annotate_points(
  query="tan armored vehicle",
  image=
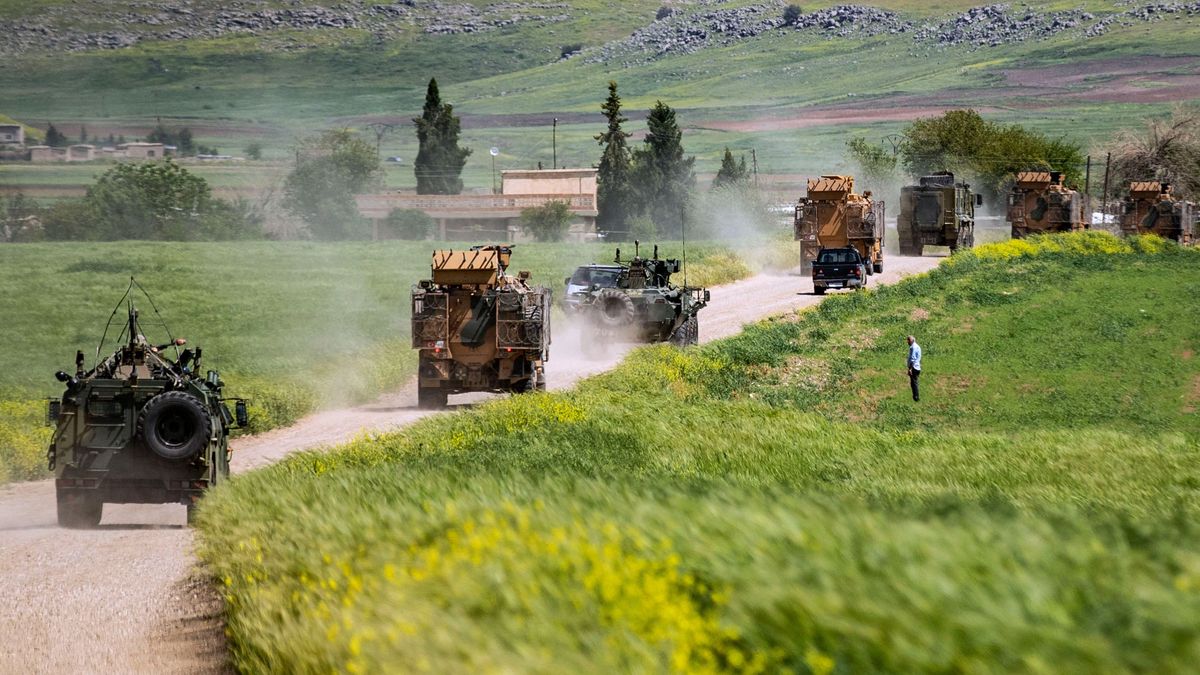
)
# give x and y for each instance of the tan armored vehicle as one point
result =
(1150, 208)
(477, 327)
(1039, 203)
(937, 211)
(832, 215)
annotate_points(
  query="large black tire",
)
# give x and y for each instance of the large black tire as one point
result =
(431, 398)
(191, 514)
(78, 510)
(877, 268)
(614, 309)
(175, 425)
(818, 290)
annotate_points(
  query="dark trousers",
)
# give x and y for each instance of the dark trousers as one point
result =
(914, 377)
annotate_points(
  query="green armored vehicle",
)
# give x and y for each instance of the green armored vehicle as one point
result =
(936, 211)
(139, 428)
(636, 302)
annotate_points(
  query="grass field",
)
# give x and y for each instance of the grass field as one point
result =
(772, 502)
(292, 326)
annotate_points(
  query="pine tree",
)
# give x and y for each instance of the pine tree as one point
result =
(664, 178)
(54, 137)
(614, 195)
(440, 160)
(83, 134)
(731, 173)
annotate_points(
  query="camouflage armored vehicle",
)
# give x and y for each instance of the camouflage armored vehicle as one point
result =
(937, 211)
(832, 215)
(1150, 208)
(477, 327)
(139, 428)
(1039, 203)
(637, 304)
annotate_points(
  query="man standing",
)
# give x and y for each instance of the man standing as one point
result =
(914, 367)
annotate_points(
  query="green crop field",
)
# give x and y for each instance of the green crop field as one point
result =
(292, 326)
(774, 502)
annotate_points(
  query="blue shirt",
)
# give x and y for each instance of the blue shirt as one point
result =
(914, 356)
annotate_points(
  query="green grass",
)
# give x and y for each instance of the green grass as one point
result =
(292, 326)
(771, 502)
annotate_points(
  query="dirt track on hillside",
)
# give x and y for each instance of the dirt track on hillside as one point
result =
(127, 597)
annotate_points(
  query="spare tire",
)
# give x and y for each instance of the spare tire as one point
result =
(614, 309)
(175, 425)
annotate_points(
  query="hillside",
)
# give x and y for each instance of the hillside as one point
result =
(772, 502)
(269, 71)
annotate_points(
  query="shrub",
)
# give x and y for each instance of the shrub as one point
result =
(662, 13)
(791, 14)
(548, 222)
(410, 224)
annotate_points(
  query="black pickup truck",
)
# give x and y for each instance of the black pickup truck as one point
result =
(838, 268)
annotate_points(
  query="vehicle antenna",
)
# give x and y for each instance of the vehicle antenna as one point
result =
(149, 299)
(110, 318)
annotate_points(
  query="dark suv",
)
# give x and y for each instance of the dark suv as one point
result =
(838, 268)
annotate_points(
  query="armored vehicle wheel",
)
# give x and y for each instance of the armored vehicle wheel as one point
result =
(175, 425)
(687, 334)
(430, 398)
(877, 268)
(191, 514)
(614, 309)
(79, 511)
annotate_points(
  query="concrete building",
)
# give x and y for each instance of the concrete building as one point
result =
(81, 153)
(12, 134)
(495, 217)
(143, 150)
(45, 153)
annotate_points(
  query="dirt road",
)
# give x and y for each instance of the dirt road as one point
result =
(125, 598)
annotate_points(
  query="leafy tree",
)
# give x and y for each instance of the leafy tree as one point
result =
(151, 200)
(83, 137)
(791, 14)
(963, 142)
(548, 222)
(254, 150)
(875, 163)
(664, 178)
(731, 173)
(330, 169)
(440, 160)
(55, 138)
(410, 224)
(180, 138)
(1165, 149)
(614, 195)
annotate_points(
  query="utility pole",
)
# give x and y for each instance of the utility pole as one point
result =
(554, 142)
(1087, 188)
(1104, 208)
(754, 162)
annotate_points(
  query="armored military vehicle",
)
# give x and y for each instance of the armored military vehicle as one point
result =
(638, 304)
(1150, 208)
(1039, 203)
(832, 215)
(477, 327)
(138, 428)
(937, 211)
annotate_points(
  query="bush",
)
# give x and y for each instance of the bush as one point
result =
(791, 14)
(662, 13)
(570, 50)
(410, 224)
(254, 150)
(548, 222)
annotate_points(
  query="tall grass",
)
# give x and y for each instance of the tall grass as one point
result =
(688, 512)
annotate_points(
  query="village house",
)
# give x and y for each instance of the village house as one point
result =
(143, 150)
(81, 153)
(45, 153)
(12, 134)
(495, 217)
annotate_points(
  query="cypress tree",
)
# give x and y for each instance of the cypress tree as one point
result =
(440, 160)
(615, 198)
(664, 177)
(731, 173)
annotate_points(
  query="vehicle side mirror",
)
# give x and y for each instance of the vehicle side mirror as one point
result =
(707, 295)
(241, 414)
(567, 281)
(978, 200)
(53, 411)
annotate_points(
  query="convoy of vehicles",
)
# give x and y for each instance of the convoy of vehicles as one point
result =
(937, 211)
(832, 215)
(138, 428)
(634, 301)
(477, 327)
(1039, 203)
(1151, 208)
